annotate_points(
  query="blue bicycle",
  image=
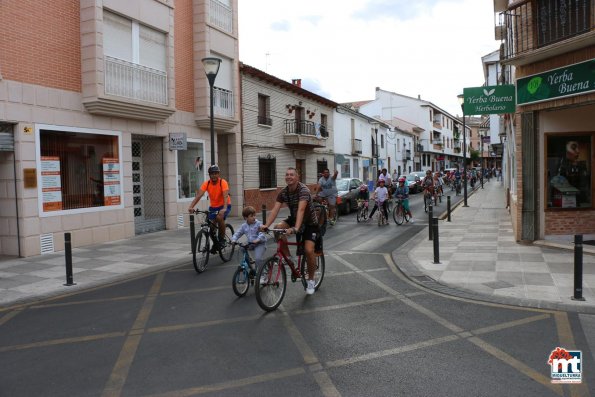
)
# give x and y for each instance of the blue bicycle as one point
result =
(246, 271)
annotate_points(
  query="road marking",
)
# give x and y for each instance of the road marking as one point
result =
(9, 316)
(120, 371)
(120, 298)
(567, 341)
(63, 341)
(192, 291)
(510, 324)
(345, 305)
(180, 327)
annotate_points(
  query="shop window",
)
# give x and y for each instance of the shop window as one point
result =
(78, 170)
(191, 172)
(569, 176)
(345, 169)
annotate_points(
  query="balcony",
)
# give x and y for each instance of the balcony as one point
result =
(437, 124)
(222, 102)
(221, 16)
(356, 146)
(544, 28)
(303, 134)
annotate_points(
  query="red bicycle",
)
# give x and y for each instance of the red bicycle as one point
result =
(273, 277)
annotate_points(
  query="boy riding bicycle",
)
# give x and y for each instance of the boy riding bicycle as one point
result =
(402, 193)
(256, 238)
(380, 197)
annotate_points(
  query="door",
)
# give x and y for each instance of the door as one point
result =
(147, 184)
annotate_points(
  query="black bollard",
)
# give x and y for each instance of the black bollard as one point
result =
(482, 181)
(264, 214)
(448, 207)
(192, 233)
(578, 268)
(434, 227)
(68, 255)
(430, 216)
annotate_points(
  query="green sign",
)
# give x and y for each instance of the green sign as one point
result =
(493, 99)
(558, 83)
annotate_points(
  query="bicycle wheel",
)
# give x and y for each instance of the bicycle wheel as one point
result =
(227, 252)
(318, 273)
(398, 214)
(321, 213)
(270, 285)
(362, 214)
(200, 255)
(240, 282)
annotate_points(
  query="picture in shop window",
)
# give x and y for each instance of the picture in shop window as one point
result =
(569, 171)
(191, 172)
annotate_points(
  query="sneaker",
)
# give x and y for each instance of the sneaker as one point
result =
(311, 287)
(411, 220)
(214, 249)
(264, 279)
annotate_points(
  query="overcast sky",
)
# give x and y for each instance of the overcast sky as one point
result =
(344, 49)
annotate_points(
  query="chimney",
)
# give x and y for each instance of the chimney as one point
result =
(297, 82)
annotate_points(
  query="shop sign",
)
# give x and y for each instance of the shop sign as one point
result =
(557, 83)
(494, 99)
(177, 141)
(51, 183)
(111, 182)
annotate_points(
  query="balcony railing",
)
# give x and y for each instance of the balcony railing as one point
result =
(300, 127)
(264, 120)
(221, 16)
(407, 155)
(527, 28)
(356, 146)
(222, 102)
(133, 81)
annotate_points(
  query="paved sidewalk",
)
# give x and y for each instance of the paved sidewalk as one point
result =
(480, 259)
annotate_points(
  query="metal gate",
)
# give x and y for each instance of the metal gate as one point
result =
(147, 184)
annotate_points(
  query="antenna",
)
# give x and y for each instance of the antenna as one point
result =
(266, 62)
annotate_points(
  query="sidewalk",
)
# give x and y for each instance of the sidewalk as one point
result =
(480, 259)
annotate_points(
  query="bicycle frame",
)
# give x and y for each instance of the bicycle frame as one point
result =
(282, 243)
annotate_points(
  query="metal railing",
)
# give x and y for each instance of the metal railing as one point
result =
(221, 16)
(264, 120)
(222, 102)
(528, 28)
(302, 127)
(130, 80)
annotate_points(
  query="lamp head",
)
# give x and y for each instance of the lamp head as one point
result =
(461, 99)
(211, 66)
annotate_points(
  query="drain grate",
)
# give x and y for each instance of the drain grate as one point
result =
(424, 279)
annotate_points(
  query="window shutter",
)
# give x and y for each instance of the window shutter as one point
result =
(117, 36)
(152, 48)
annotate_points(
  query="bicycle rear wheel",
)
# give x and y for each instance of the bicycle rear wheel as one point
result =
(270, 285)
(398, 214)
(227, 252)
(318, 273)
(200, 254)
(240, 282)
(321, 214)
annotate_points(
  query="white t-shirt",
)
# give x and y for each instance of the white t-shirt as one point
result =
(381, 194)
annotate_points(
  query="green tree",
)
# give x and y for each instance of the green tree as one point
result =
(473, 156)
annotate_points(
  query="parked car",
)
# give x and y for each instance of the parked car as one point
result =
(414, 182)
(348, 189)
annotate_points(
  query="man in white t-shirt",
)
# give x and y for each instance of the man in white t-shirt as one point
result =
(380, 197)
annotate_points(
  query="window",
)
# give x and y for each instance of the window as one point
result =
(345, 168)
(264, 110)
(398, 145)
(321, 166)
(569, 178)
(191, 170)
(78, 169)
(135, 59)
(323, 125)
(267, 172)
(382, 141)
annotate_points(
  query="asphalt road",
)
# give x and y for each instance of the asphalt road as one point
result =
(368, 331)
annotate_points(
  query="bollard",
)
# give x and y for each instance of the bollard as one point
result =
(430, 216)
(264, 214)
(192, 233)
(448, 207)
(434, 227)
(482, 181)
(68, 254)
(578, 268)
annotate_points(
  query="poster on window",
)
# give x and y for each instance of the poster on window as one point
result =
(111, 181)
(51, 185)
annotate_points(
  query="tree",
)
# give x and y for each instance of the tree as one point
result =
(473, 156)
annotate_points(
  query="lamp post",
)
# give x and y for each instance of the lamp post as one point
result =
(211, 66)
(462, 102)
(377, 150)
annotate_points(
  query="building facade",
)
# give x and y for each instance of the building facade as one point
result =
(105, 118)
(551, 45)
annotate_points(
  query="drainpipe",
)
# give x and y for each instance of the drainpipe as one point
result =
(16, 201)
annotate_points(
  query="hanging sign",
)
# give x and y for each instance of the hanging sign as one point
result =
(111, 182)
(177, 141)
(51, 184)
(493, 99)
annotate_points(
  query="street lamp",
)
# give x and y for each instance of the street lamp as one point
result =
(211, 66)
(461, 98)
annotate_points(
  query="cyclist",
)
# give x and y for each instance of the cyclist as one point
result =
(380, 197)
(327, 188)
(438, 190)
(256, 238)
(402, 192)
(218, 190)
(302, 218)
(363, 194)
(428, 184)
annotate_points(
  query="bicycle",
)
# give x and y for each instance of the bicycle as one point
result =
(429, 199)
(321, 203)
(362, 210)
(399, 213)
(201, 248)
(381, 217)
(244, 274)
(272, 276)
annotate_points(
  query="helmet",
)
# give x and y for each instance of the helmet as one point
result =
(363, 188)
(380, 180)
(402, 179)
(214, 168)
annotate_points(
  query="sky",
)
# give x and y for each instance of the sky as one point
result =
(344, 49)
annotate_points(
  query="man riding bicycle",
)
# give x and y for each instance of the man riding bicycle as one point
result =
(327, 188)
(428, 184)
(302, 218)
(218, 190)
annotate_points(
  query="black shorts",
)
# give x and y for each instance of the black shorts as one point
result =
(307, 232)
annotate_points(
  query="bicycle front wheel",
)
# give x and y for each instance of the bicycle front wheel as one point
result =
(318, 273)
(240, 282)
(398, 214)
(227, 252)
(200, 255)
(271, 283)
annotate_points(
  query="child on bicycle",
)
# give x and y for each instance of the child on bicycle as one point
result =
(402, 193)
(256, 238)
(380, 197)
(363, 195)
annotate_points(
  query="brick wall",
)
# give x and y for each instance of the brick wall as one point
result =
(40, 43)
(570, 222)
(183, 48)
